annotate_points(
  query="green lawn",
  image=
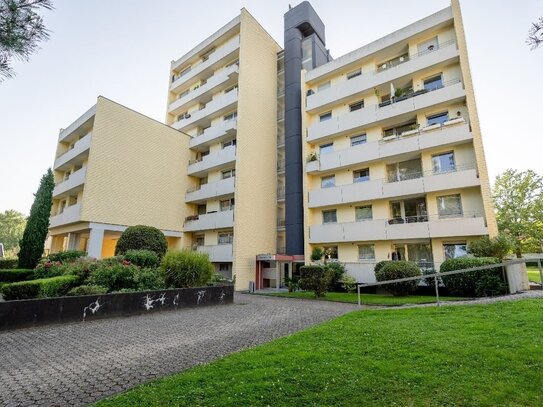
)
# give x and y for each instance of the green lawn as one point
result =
(367, 299)
(484, 355)
(533, 274)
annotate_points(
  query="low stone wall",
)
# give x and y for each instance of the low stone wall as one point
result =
(21, 313)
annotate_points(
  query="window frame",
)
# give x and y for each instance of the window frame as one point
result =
(451, 215)
(440, 171)
(361, 179)
(359, 105)
(333, 213)
(372, 254)
(360, 219)
(324, 117)
(326, 148)
(365, 139)
(329, 177)
(354, 74)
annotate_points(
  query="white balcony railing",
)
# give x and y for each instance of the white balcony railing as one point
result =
(211, 190)
(80, 147)
(217, 253)
(208, 221)
(214, 161)
(214, 134)
(70, 214)
(75, 180)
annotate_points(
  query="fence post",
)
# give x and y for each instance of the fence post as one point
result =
(437, 291)
(358, 289)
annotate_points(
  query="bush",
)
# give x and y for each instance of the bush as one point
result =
(48, 268)
(142, 238)
(316, 279)
(337, 270)
(81, 267)
(475, 283)
(499, 246)
(393, 270)
(185, 268)
(113, 275)
(380, 265)
(142, 258)
(11, 276)
(8, 264)
(42, 288)
(349, 283)
(67, 256)
(87, 290)
(149, 279)
(317, 254)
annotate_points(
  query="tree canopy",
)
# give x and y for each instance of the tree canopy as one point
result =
(12, 226)
(518, 198)
(535, 34)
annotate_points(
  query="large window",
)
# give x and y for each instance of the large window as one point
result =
(356, 106)
(227, 205)
(361, 175)
(439, 118)
(230, 143)
(449, 206)
(328, 181)
(366, 252)
(329, 216)
(404, 170)
(230, 116)
(357, 140)
(326, 148)
(307, 54)
(455, 250)
(433, 83)
(408, 211)
(443, 162)
(228, 173)
(226, 237)
(363, 213)
(325, 116)
(330, 252)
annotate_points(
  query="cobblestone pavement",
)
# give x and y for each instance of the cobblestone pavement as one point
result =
(79, 363)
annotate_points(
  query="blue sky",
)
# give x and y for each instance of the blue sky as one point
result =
(122, 49)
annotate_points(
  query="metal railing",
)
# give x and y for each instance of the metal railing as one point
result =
(416, 129)
(420, 174)
(412, 93)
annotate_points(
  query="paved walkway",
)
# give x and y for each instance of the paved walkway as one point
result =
(79, 363)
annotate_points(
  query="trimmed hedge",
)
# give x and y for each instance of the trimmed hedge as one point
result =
(67, 256)
(379, 265)
(8, 264)
(476, 283)
(42, 288)
(142, 258)
(393, 270)
(87, 290)
(316, 279)
(12, 276)
(186, 268)
(142, 237)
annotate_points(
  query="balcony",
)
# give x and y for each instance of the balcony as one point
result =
(210, 221)
(221, 253)
(464, 176)
(421, 227)
(211, 190)
(69, 185)
(74, 156)
(457, 132)
(219, 160)
(223, 79)
(347, 90)
(70, 214)
(214, 134)
(451, 92)
(206, 68)
(221, 105)
(82, 124)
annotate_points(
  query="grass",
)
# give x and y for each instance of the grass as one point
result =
(478, 355)
(533, 274)
(367, 299)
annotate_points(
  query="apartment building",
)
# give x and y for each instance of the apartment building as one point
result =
(395, 167)
(115, 168)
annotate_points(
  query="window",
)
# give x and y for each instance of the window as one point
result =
(307, 54)
(236, 62)
(323, 86)
(230, 143)
(325, 116)
(231, 88)
(404, 170)
(328, 182)
(449, 206)
(357, 140)
(228, 173)
(326, 148)
(203, 181)
(361, 175)
(230, 116)
(226, 205)
(455, 250)
(330, 252)
(437, 118)
(183, 116)
(224, 267)
(202, 209)
(366, 252)
(443, 162)
(363, 213)
(433, 83)
(226, 237)
(354, 74)
(184, 71)
(185, 93)
(427, 46)
(205, 55)
(356, 106)
(199, 240)
(329, 216)
(408, 211)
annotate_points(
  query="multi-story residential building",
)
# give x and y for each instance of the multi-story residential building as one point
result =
(115, 168)
(273, 152)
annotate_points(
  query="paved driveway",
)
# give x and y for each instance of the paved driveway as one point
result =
(78, 363)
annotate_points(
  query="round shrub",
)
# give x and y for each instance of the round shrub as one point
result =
(149, 279)
(337, 270)
(142, 258)
(316, 279)
(114, 276)
(142, 237)
(379, 265)
(185, 268)
(88, 290)
(394, 270)
(475, 283)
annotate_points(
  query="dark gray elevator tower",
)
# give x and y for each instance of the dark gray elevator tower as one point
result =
(304, 48)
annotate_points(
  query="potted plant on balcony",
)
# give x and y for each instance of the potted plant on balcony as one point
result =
(413, 129)
(312, 157)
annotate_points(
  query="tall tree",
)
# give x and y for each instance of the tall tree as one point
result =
(37, 224)
(535, 34)
(12, 226)
(21, 29)
(518, 198)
